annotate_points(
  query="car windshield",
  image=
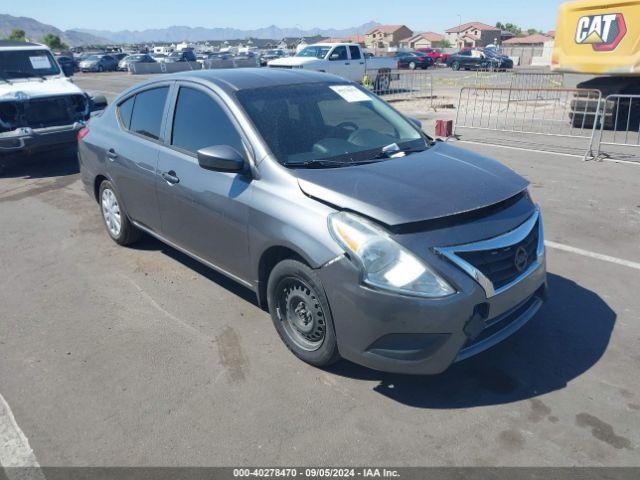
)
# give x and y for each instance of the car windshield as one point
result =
(318, 52)
(326, 124)
(27, 63)
(93, 58)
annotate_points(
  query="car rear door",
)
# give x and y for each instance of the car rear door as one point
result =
(358, 65)
(132, 152)
(205, 212)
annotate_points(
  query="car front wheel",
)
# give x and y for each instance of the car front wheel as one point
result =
(455, 66)
(300, 312)
(119, 227)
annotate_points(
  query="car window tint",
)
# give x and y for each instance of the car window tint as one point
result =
(124, 112)
(355, 52)
(199, 122)
(341, 52)
(147, 112)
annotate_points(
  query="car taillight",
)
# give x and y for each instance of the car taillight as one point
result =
(83, 132)
(398, 65)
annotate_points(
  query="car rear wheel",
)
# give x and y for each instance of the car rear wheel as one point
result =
(119, 227)
(412, 65)
(100, 68)
(300, 312)
(382, 84)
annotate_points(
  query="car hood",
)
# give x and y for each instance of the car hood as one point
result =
(292, 61)
(24, 89)
(436, 183)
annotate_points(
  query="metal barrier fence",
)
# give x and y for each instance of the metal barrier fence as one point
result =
(619, 121)
(442, 89)
(556, 112)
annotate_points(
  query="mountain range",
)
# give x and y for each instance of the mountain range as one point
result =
(194, 34)
(36, 30)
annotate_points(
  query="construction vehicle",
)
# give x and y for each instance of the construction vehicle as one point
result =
(601, 38)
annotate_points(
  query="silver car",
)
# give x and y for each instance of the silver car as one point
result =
(363, 237)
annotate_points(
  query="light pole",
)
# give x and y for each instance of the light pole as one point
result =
(459, 28)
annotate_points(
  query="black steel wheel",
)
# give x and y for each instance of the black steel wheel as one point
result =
(301, 314)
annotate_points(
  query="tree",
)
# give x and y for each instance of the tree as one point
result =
(18, 35)
(509, 27)
(53, 42)
(444, 43)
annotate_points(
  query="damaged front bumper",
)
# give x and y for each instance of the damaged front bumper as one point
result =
(27, 139)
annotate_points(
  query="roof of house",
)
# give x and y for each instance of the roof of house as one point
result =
(386, 28)
(430, 36)
(351, 39)
(551, 33)
(528, 40)
(467, 26)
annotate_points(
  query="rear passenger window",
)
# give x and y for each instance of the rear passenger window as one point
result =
(147, 112)
(124, 112)
(355, 52)
(199, 122)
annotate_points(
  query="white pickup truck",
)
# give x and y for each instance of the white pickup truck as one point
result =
(40, 108)
(346, 60)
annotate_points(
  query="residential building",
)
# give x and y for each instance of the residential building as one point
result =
(386, 37)
(359, 39)
(421, 40)
(473, 34)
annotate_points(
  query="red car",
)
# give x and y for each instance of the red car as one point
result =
(436, 54)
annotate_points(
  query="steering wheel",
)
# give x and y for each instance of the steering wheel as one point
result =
(348, 126)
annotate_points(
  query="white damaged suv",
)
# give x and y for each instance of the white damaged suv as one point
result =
(40, 108)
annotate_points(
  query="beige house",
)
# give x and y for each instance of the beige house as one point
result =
(386, 37)
(473, 34)
(421, 40)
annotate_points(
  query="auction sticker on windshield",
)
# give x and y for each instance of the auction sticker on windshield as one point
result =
(40, 63)
(350, 93)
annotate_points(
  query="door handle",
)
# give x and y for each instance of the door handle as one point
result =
(170, 177)
(347, 63)
(111, 154)
(361, 63)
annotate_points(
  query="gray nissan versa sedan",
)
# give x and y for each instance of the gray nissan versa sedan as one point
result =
(365, 239)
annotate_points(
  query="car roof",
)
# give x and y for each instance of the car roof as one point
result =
(15, 45)
(233, 80)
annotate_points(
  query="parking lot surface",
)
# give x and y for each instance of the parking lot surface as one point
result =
(114, 356)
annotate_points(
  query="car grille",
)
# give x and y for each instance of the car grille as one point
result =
(44, 112)
(504, 265)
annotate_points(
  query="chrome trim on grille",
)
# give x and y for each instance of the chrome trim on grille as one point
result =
(503, 241)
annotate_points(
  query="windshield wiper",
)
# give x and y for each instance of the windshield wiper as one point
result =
(317, 163)
(21, 73)
(390, 150)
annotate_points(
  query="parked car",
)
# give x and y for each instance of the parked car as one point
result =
(125, 64)
(413, 60)
(184, 56)
(436, 54)
(347, 60)
(98, 63)
(476, 59)
(40, 108)
(218, 60)
(66, 64)
(363, 237)
(269, 55)
(246, 60)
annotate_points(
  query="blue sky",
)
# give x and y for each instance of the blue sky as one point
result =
(419, 15)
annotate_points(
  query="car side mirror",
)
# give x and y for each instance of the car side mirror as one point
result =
(334, 56)
(416, 122)
(221, 158)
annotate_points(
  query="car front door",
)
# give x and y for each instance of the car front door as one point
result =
(339, 63)
(358, 66)
(132, 155)
(203, 211)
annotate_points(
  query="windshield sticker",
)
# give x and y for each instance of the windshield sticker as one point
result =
(40, 63)
(350, 93)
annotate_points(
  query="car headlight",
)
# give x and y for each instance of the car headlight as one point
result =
(385, 263)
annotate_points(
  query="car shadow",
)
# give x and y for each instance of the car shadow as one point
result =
(147, 242)
(55, 163)
(565, 339)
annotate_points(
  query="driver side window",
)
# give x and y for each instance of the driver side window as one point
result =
(199, 122)
(339, 53)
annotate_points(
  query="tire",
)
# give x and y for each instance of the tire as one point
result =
(300, 312)
(100, 68)
(382, 84)
(455, 66)
(114, 215)
(412, 65)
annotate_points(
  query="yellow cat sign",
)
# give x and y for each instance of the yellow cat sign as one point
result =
(603, 32)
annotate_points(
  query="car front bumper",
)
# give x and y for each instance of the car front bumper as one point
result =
(402, 334)
(27, 140)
